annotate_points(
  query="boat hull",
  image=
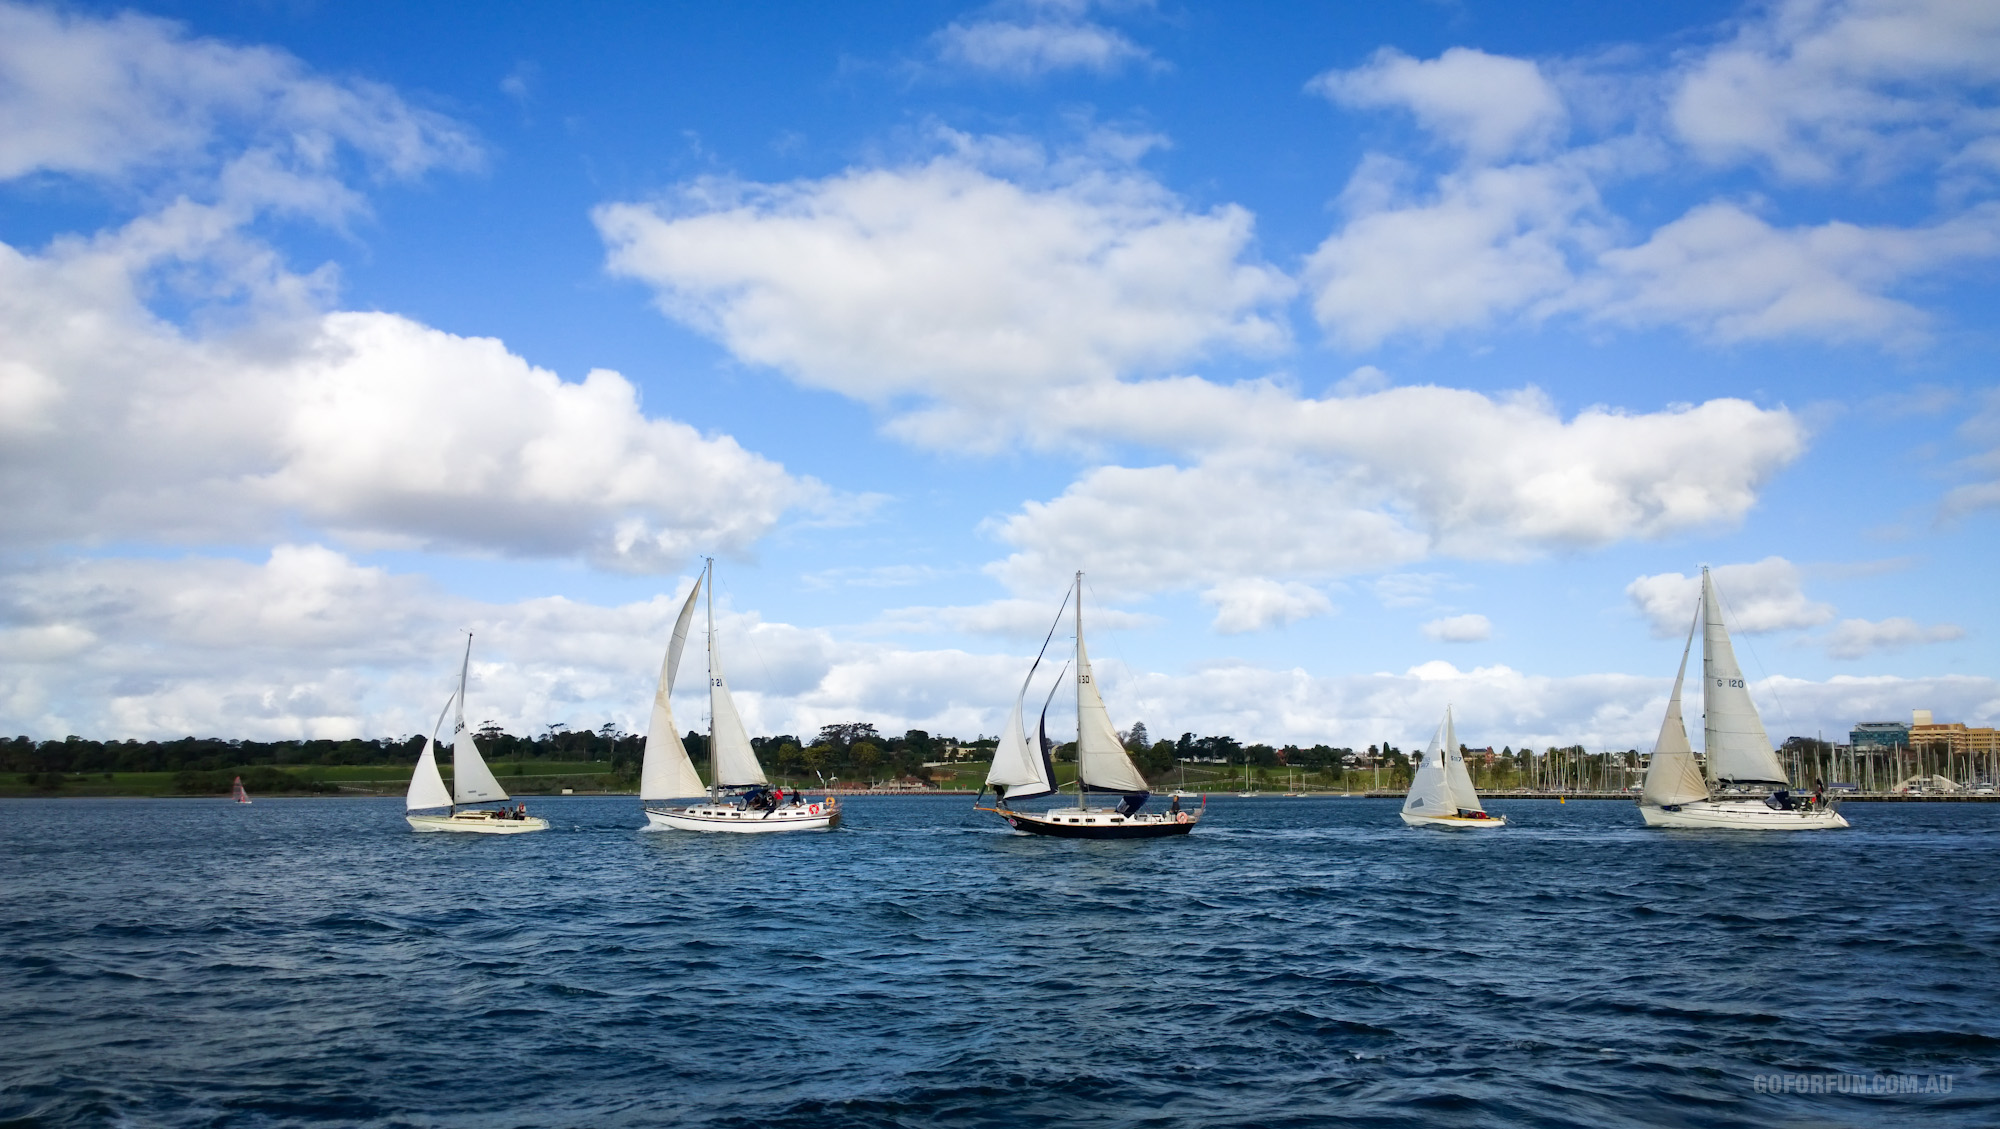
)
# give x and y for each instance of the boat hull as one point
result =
(823, 815)
(1455, 822)
(477, 823)
(1742, 815)
(1098, 823)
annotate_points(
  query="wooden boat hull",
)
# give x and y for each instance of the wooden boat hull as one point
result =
(477, 823)
(1455, 822)
(1741, 815)
(1098, 823)
(819, 815)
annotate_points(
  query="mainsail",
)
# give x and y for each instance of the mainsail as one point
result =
(427, 788)
(1738, 750)
(471, 781)
(1430, 791)
(1673, 777)
(732, 762)
(1101, 762)
(1456, 777)
(665, 772)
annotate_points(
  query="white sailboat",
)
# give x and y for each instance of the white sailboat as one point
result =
(1101, 766)
(471, 781)
(1441, 793)
(739, 796)
(1677, 791)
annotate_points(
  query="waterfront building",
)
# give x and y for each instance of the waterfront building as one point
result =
(1884, 735)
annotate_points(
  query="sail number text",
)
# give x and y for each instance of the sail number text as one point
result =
(1737, 683)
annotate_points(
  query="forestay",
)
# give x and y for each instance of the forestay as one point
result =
(471, 781)
(1673, 777)
(427, 788)
(1739, 751)
(665, 771)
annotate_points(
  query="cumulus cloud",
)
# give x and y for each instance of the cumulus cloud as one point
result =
(386, 430)
(1036, 39)
(1312, 489)
(1859, 638)
(1515, 229)
(83, 95)
(1812, 88)
(947, 282)
(1473, 628)
(1491, 106)
(1759, 597)
(1731, 275)
(1255, 603)
(307, 643)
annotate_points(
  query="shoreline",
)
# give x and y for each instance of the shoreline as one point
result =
(362, 794)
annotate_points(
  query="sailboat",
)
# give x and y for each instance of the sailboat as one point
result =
(471, 781)
(1248, 791)
(1441, 793)
(237, 793)
(1678, 792)
(1101, 766)
(739, 796)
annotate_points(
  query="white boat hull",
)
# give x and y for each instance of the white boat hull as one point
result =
(820, 815)
(1743, 815)
(479, 822)
(1455, 822)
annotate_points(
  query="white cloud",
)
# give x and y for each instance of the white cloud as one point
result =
(1758, 597)
(1473, 628)
(82, 95)
(1039, 40)
(1312, 489)
(1492, 106)
(1815, 88)
(307, 643)
(1729, 274)
(1490, 242)
(944, 282)
(1859, 638)
(1981, 428)
(1255, 603)
(369, 424)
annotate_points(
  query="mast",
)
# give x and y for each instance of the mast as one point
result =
(709, 572)
(458, 721)
(1081, 794)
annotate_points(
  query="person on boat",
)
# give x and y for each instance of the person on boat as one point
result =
(1174, 808)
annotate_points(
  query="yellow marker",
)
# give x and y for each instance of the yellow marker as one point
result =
(1561, 800)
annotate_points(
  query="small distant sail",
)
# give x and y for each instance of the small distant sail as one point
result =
(1430, 790)
(237, 793)
(731, 759)
(1456, 776)
(471, 781)
(427, 788)
(1739, 751)
(665, 772)
(1673, 777)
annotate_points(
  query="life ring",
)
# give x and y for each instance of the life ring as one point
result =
(1180, 817)
(814, 809)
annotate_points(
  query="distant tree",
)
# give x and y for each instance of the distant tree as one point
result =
(1135, 737)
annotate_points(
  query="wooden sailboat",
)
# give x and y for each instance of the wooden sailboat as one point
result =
(1681, 793)
(1101, 766)
(739, 796)
(471, 781)
(1441, 793)
(237, 793)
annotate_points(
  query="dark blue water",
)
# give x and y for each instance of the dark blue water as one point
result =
(1294, 962)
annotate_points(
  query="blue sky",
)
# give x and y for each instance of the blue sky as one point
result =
(1366, 357)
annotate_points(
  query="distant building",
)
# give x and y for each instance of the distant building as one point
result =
(1879, 735)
